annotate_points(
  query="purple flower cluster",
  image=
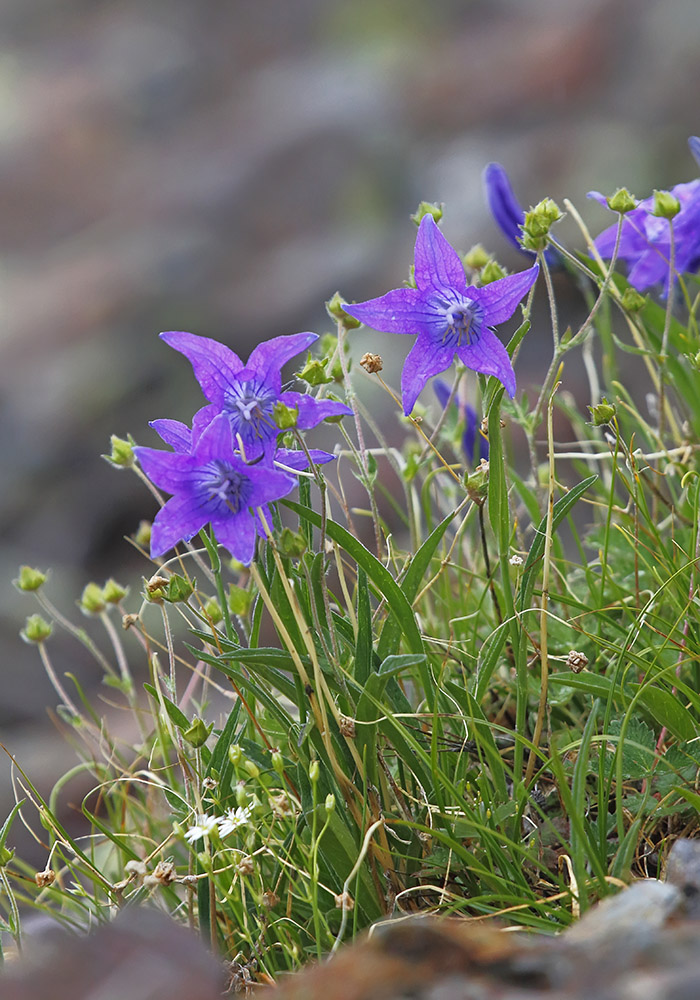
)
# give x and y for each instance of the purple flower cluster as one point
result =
(227, 468)
(645, 240)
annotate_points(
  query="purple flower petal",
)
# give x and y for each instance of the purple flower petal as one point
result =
(311, 410)
(489, 356)
(505, 207)
(202, 419)
(694, 143)
(237, 534)
(400, 311)
(168, 470)
(424, 360)
(437, 264)
(500, 299)
(174, 433)
(179, 520)
(215, 442)
(215, 366)
(296, 459)
(268, 358)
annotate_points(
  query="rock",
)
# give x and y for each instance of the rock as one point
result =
(141, 955)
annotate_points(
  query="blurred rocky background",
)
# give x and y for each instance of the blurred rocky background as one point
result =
(223, 168)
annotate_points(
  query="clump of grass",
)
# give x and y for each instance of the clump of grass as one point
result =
(438, 687)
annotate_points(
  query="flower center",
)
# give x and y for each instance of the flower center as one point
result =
(225, 486)
(250, 405)
(463, 324)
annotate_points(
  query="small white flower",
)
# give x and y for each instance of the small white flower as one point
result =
(516, 560)
(203, 827)
(233, 820)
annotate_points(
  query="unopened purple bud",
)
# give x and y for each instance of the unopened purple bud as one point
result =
(507, 211)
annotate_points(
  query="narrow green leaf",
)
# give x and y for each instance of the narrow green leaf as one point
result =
(363, 646)
(382, 580)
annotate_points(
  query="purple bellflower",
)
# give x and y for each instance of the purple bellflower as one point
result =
(448, 317)
(645, 240)
(507, 211)
(471, 430)
(211, 484)
(248, 393)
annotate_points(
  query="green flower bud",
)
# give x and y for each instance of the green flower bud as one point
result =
(241, 795)
(621, 201)
(252, 768)
(113, 592)
(602, 413)
(491, 271)
(476, 258)
(179, 589)
(36, 629)
(122, 454)
(314, 371)
(330, 802)
(239, 600)
(212, 610)
(314, 772)
(538, 221)
(285, 416)
(277, 762)
(666, 205)
(6, 855)
(92, 600)
(198, 733)
(427, 208)
(327, 346)
(477, 483)
(156, 589)
(632, 301)
(142, 536)
(235, 754)
(334, 308)
(292, 544)
(29, 578)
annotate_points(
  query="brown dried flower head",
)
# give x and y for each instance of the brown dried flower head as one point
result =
(371, 363)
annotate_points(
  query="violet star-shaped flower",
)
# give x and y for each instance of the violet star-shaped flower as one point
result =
(248, 393)
(212, 484)
(448, 316)
(645, 240)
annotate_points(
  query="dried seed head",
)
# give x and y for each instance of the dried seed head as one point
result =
(372, 363)
(129, 620)
(576, 661)
(269, 899)
(346, 724)
(45, 878)
(164, 873)
(281, 806)
(136, 868)
(246, 866)
(344, 901)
